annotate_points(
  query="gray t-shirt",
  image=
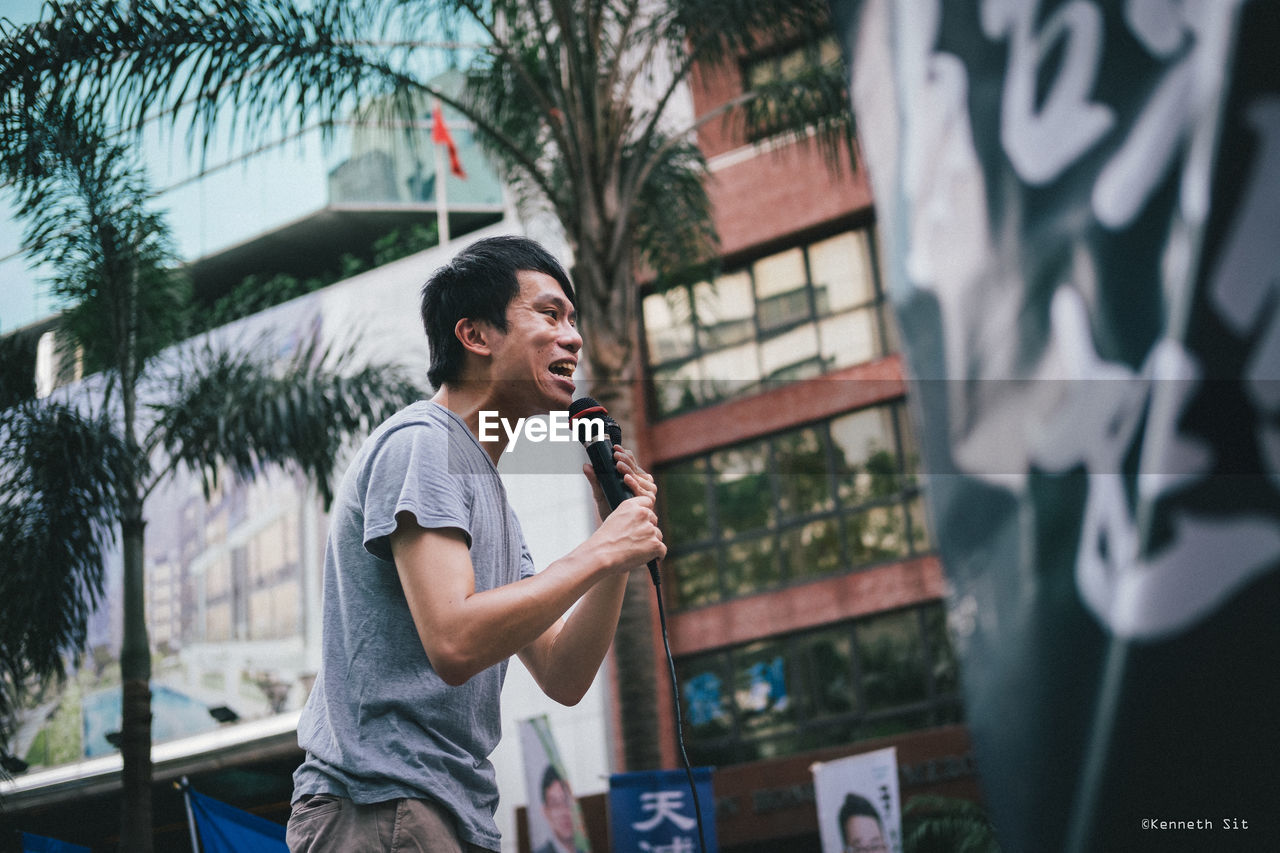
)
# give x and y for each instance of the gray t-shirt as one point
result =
(380, 724)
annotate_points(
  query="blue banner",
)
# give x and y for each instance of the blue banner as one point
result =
(653, 812)
(40, 844)
(226, 829)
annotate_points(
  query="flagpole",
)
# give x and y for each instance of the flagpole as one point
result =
(442, 196)
(191, 818)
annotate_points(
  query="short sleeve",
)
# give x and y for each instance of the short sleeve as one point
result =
(408, 471)
(527, 569)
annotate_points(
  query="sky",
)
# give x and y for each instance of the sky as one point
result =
(220, 210)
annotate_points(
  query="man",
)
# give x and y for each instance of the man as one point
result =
(558, 808)
(860, 827)
(428, 585)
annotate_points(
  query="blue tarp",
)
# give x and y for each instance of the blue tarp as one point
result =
(226, 829)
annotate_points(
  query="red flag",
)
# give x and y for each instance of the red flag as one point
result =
(441, 136)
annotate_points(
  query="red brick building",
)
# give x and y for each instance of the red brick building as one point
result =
(803, 589)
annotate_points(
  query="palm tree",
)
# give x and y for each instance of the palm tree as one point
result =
(933, 824)
(75, 470)
(580, 102)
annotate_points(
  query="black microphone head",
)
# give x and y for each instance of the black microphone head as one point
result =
(613, 430)
(586, 408)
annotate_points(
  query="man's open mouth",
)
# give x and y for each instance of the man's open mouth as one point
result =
(563, 368)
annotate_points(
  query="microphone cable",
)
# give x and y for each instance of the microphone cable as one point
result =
(675, 698)
(615, 492)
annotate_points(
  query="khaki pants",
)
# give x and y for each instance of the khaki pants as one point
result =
(322, 822)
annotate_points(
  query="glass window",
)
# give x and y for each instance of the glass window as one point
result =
(804, 483)
(726, 310)
(791, 315)
(800, 504)
(749, 566)
(849, 338)
(920, 539)
(761, 688)
(812, 550)
(683, 489)
(827, 661)
(668, 325)
(873, 677)
(864, 444)
(841, 269)
(744, 500)
(695, 578)
(945, 671)
(677, 388)
(784, 356)
(706, 694)
(782, 295)
(876, 534)
(891, 660)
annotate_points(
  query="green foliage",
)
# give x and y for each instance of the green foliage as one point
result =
(59, 471)
(71, 475)
(83, 199)
(257, 292)
(933, 824)
(61, 739)
(575, 99)
(236, 409)
(398, 244)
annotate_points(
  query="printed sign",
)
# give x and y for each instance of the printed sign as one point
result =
(858, 806)
(653, 812)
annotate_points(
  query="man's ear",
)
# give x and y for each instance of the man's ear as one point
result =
(473, 335)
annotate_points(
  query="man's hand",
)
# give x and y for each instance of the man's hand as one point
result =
(629, 537)
(638, 480)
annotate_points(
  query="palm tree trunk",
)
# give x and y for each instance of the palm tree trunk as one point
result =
(135, 650)
(609, 333)
(135, 671)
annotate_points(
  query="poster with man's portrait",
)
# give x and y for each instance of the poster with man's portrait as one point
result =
(858, 806)
(555, 821)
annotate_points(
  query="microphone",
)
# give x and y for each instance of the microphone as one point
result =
(600, 452)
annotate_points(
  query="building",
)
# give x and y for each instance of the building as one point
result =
(805, 596)
(804, 592)
(233, 575)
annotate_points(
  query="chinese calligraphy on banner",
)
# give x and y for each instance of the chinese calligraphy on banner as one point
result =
(653, 812)
(1079, 205)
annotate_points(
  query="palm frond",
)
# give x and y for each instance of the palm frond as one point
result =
(59, 470)
(229, 59)
(814, 101)
(83, 201)
(237, 410)
(934, 824)
(672, 224)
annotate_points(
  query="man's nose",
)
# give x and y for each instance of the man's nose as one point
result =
(571, 339)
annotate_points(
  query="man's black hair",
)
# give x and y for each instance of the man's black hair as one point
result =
(478, 284)
(550, 776)
(856, 806)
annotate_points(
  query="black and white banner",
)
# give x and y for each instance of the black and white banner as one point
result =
(1079, 203)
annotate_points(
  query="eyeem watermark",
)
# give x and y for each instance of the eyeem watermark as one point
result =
(556, 427)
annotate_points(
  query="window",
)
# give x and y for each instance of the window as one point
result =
(796, 505)
(874, 677)
(786, 65)
(791, 315)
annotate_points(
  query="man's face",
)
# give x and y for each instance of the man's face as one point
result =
(537, 355)
(557, 805)
(862, 835)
